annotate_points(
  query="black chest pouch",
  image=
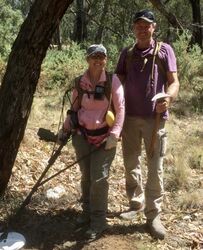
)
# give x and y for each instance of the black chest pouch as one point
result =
(99, 92)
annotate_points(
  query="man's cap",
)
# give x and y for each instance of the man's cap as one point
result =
(96, 48)
(146, 15)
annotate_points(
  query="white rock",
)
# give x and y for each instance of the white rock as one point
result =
(56, 192)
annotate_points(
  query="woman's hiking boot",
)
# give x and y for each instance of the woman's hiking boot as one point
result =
(95, 233)
(131, 213)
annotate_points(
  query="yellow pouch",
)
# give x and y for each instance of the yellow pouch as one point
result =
(110, 118)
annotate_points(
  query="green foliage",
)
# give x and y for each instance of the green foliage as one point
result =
(60, 67)
(190, 60)
(190, 65)
(114, 48)
(9, 26)
(117, 23)
(22, 5)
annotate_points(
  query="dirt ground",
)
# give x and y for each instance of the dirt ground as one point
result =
(50, 223)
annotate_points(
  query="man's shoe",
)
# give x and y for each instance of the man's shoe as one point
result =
(156, 229)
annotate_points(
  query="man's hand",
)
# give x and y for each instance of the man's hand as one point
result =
(62, 136)
(111, 142)
(163, 105)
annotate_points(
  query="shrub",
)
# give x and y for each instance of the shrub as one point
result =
(189, 60)
(190, 65)
(114, 49)
(9, 26)
(60, 67)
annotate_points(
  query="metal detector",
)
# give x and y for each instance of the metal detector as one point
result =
(11, 241)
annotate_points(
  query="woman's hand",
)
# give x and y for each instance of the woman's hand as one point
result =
(111, 142)
(63, 136)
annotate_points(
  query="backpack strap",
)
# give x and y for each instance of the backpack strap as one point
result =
(107, 89)
(159, 62)
(129, 56)
(108, 85)
(155, 55)
(155, 58)
(79, 90)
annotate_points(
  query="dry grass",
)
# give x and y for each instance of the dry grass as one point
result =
(184, 151)
(192, 200)
(46, 111)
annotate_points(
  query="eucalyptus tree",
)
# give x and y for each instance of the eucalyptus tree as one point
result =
(21, 77)
(172, 19)
(182, 17)
(197, 25)
(100, 30)
(81, 25)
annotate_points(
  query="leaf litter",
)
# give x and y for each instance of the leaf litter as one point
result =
(50, 223)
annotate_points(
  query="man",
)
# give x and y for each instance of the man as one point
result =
(145, 74)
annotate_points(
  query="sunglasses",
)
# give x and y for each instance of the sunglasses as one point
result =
(98, 56)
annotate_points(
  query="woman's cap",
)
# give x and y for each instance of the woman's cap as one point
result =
(96, 48)
(146, 15)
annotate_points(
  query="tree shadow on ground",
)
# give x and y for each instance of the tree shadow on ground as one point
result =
(47, 230)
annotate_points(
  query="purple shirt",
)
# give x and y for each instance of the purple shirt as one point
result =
(138, 86)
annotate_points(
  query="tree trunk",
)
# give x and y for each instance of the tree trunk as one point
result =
(56, 39)
(98, 38)
(168, 15)
(21, 77)
(81, 28)
(197, 35)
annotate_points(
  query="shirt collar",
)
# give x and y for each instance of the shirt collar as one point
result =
(86, 78)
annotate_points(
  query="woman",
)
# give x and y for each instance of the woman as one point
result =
(94, 136)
